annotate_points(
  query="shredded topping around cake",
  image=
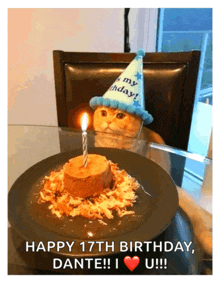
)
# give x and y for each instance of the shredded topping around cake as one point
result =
(118, 198)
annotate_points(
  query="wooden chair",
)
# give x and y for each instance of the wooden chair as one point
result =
(169, 84)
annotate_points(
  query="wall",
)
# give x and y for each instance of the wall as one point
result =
(143, 28)
(32, 36)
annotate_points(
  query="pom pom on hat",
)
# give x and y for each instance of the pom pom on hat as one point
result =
(140, 53)
(126, 91)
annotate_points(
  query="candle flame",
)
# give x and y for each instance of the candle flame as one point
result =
(84, 124)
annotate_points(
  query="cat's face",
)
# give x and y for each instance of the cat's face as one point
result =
(116, 121)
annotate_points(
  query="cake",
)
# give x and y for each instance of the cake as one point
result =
(87, 181)
(75, 190)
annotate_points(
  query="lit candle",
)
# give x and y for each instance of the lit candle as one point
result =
(84, 138)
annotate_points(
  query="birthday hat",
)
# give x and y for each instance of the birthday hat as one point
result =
(127, 92)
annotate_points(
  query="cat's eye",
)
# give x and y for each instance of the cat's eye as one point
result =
(120, 115)
(103, 113)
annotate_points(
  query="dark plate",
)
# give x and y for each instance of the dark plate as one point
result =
(34, 222)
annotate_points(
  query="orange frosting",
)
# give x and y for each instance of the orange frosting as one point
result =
(87, 181)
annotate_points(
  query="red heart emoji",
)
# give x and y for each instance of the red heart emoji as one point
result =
(131, 263)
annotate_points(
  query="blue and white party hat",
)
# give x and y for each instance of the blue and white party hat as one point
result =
(127, 92)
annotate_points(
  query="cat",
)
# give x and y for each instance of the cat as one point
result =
(118, 129)
(115, 128)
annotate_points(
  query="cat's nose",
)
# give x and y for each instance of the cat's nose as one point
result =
(108, 122)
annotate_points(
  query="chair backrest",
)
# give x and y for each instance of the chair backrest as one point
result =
(169, 84)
